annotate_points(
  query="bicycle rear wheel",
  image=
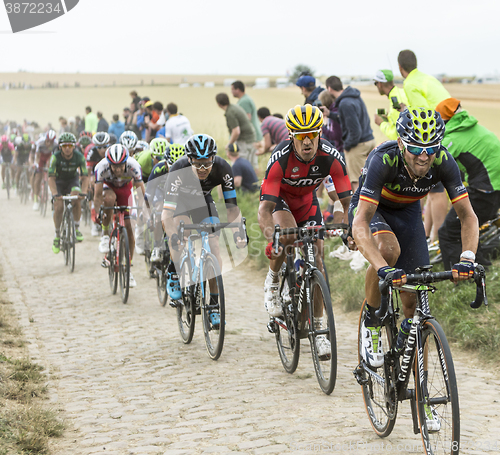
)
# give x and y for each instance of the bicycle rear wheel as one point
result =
(287, 333)
(441, 398)
(185, 306)
(322, 333)
(70, 241)
(380, 407)
(212, 308)
(113, 270)
(124, 260)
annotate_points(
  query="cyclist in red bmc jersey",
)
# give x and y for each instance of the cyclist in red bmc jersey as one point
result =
(288, 197)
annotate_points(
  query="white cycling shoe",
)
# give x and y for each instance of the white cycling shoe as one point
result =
(131, 281)
(372, 350)
(271, 298)
(104, 244)
(323, 347)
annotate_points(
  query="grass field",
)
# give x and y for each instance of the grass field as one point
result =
(197, 103)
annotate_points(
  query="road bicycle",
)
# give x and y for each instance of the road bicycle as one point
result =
(24, 187)
(489, 238)
(202, 287)
(160, 272)
(117, 261)
(44, 192)
(68, 236)
(8, 178)
(434, 399)
(306, 307)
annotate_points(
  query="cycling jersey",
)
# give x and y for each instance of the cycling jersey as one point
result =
(103, 173)
(25, 148)
(295, 180)
(145, 160)
(384, 179)
(41, 147)
(6, 150)
(155, 189)
(64, 169)
(93, 158)
(184, 188)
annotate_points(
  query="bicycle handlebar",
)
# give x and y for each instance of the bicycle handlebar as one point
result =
(119, 208)
(427, 277)
(212, 227)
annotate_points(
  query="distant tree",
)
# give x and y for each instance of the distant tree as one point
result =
(300, 70)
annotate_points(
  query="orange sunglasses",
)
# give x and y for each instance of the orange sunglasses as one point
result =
(311, 135)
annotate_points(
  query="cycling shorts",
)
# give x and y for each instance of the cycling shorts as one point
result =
(206, 214)
(123, 194)
(65, 187)
(310, 217)
(7, 156)
(406, 224)
(44, 161)
(22, 158)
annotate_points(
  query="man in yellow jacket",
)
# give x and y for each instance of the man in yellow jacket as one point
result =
(424, 90)
(384, 81)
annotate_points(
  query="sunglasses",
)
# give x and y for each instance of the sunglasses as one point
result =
(311, 135)
(417, 150)
(199, 167)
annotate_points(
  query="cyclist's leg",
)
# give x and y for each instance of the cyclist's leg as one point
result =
(283, 216)
(77, 204)
(109, 200)
(3, 171)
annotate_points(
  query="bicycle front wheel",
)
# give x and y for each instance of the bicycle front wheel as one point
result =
(322, 333)
(124, 269)
(113, 269)
(212, 304)
(70, 241)
(185, 306)
(437, 396)
(381, 407)
(287, 332)
(7, 181)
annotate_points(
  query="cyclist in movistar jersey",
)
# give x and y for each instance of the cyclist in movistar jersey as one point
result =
(63, 180)
(386, 216)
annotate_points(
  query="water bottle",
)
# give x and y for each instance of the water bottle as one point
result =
(403, 334)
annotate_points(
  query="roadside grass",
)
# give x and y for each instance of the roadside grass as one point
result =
(26, 425)
(474, 330)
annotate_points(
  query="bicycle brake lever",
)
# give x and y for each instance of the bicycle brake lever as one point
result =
(479, 279)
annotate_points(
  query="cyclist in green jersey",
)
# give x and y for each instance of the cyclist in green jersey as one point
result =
(64, 179)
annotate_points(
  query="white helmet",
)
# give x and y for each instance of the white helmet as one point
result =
(128, 139)
(18, 141)
(51, 135)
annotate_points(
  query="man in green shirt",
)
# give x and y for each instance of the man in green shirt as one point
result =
(247, 104)
(424, 90)
(240, 129)
(384, 81)
(477, 152)
(91, 120)
(64, 179)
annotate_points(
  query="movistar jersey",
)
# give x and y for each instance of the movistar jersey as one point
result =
(64, 169)
(384, 179)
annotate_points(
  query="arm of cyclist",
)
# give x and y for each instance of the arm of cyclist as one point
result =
(266, 224)
(367, 245)
(464, 269)
(53, 187)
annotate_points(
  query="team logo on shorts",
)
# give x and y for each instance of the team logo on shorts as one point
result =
(295, 169)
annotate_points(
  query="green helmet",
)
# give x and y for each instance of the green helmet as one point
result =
(176, 152)
(420, 126)
(85, 141)
(67, 138)
(158, 146)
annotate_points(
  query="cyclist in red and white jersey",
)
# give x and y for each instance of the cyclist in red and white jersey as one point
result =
(115, 176)
(288, 198)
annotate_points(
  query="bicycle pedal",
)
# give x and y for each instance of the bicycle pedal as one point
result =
(105, 263)
(358, 373)
(272, 326)
(173, 303)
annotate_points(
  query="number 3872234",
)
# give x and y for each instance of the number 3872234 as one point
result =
(33, 8)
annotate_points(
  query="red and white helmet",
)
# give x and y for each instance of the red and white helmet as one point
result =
(117, 154)
(50, 136)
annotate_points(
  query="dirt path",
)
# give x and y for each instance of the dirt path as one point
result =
(126, 384)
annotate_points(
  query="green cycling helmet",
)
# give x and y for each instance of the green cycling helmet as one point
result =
(420, 126)
(159, 147)
(176, 151)
(67, 138)
(85, 141)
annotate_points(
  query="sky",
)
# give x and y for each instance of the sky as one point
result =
(259, 37)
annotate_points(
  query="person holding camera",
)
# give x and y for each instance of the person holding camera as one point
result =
(384, 81)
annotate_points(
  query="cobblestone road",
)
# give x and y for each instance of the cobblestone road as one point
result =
(125, 383)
